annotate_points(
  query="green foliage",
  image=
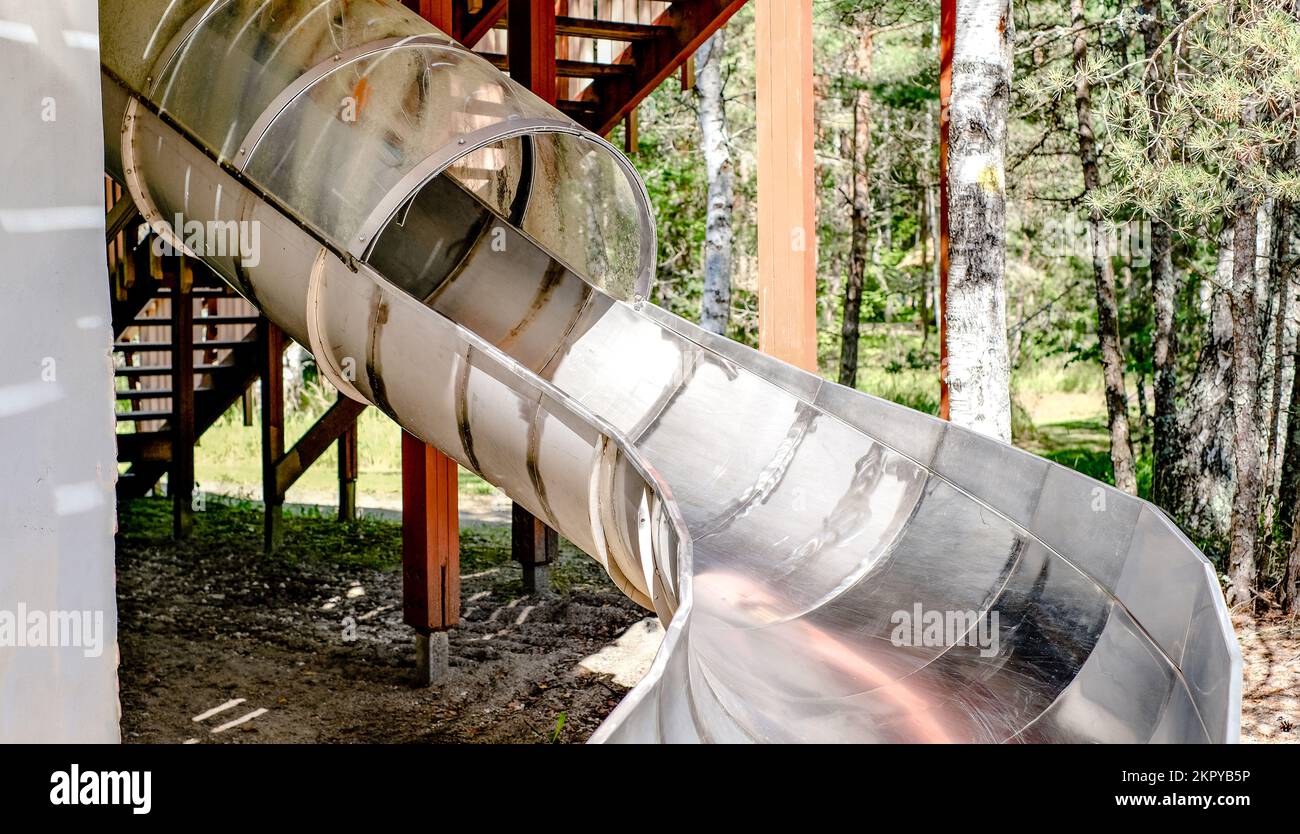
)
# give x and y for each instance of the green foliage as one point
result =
(1225, 120)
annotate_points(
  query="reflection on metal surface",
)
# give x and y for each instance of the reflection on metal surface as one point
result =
(781, 525)
(248, 147)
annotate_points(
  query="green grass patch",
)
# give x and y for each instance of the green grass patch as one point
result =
(312, 537)
(1084, 446)
(228, 459)
(237, 528)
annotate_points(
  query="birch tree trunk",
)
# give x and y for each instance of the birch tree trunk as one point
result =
(979, 370)
(1108, 338)
(850, 327)
(1164, 347)
(1245, 379)
(715, 314)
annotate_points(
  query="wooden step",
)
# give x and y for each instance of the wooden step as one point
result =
(145, 394)
(153, 347)
(154, 393)
(199, 321)
(570, 69)
(577, 108)
(199, 292)
(154, 446)
(605, 30)
(161, 370)
(209, 320)
(140, 416)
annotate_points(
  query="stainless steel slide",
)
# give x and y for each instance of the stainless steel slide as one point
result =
(831, 567)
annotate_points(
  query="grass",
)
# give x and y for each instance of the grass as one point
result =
(1058, 407)
(228, 461)
(896, 364)
(235, 527)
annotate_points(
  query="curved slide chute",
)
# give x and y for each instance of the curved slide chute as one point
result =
(831, 567)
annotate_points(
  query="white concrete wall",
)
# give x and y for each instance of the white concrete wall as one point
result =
(57, 455)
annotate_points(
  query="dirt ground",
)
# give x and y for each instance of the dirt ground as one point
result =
(1270, 692)
(314, 636)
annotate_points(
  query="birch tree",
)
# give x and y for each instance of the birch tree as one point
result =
(715, 314)
(979, 370)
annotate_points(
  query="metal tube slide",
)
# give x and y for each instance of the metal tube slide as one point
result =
(832, 567)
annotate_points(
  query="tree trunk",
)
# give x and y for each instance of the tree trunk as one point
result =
(923, 243)
(1135, 347)
(716, 312)
(1290, 507)
(1291, 583)
(884, 199)
(850, 327)
(1201, 488)
(1289, 488)
(1108, 338)
(1280, 274)
(979, 371)
(1164, 347)
(1245, 378)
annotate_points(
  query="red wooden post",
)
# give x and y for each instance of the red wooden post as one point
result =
(348, 470)
(440, 13)
(272, 344)
(180, 480)
(430, 553)
(632, 133)
(787, 199)
(530, 43)
(947, 39)
(430, 520)
(431, 592)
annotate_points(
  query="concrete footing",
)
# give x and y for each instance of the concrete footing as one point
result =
(432, 658)
(537, 579)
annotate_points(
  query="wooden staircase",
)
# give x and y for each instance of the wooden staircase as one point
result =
(608, 55)
(151, 329)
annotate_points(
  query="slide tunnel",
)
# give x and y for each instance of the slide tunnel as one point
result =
(830, 566)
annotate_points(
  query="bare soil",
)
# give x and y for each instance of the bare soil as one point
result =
(1270, 693)
(314, 635)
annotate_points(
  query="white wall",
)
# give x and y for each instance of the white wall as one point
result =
(57, 455)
